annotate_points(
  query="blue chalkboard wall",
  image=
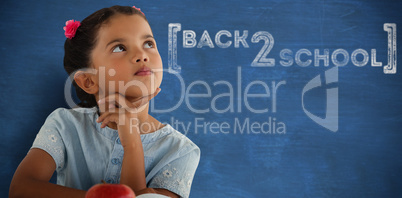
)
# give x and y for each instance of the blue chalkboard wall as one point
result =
(324, 121)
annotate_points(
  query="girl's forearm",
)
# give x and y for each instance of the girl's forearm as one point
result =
(133, 168)
(34, 188)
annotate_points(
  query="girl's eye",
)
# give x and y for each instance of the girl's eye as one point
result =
(149, 44)
(119, 48)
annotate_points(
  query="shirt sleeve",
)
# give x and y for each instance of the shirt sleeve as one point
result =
(50, 140)
(177, 176)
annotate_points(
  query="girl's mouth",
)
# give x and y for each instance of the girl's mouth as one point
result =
(144, 71)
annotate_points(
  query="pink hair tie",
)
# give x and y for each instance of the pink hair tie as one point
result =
(138, 10)
(71, 28)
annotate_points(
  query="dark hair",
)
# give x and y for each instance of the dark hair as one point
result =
(77, 50)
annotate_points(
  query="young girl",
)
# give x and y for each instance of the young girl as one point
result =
(117, 69)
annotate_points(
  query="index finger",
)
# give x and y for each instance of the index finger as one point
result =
(116, 97)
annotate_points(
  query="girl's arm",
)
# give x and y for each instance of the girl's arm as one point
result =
(31, 179)
(133, 168)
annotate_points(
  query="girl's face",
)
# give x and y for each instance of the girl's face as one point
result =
(126, 57)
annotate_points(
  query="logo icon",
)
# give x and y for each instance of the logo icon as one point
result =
(331, 115)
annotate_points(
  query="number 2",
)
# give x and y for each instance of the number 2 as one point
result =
(261, 59)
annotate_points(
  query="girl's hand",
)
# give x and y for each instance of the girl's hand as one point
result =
(117, 109)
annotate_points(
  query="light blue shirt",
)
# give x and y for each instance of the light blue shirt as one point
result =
(85, 154)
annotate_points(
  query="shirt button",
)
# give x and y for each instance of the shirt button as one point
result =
(118, 141)
(115, 161)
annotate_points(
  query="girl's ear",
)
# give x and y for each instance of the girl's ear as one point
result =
(86, 81)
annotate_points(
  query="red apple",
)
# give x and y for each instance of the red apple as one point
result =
(110, 191)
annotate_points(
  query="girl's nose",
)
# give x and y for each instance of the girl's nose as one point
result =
(145, 59)
(140, 55)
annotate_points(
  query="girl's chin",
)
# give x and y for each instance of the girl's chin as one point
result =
(136, 96)
(135, 93)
